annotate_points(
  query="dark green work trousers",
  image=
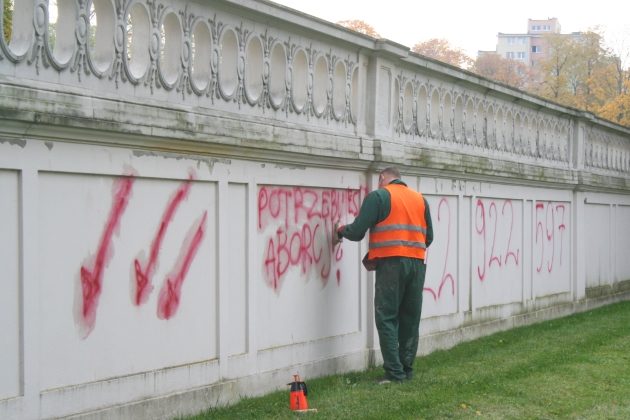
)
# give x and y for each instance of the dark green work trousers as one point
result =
(397, 308)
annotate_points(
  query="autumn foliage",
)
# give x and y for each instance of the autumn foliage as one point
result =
(7, 17)
(510, 72)
(578, 72)
(442, 50)
(359, 26)
(618, 110)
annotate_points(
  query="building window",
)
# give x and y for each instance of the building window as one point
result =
(520, 55)
(535, 49)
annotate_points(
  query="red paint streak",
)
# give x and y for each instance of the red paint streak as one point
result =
(430, 290)
(561, 228)
(446, 276)
(550, 235)
(270, 265)
(143, 275)
(493, 257)
(92, 278)
(297, 222)
(509, 250)
(482, 231)
(301, 250)
(263, 201)
(545, 230)
(539, 227)
(496, 249)
(168, 301)
(317, 258)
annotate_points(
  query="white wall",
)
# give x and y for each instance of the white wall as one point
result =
(220, 184)
(256, 283)
(622, 242)
(246, 248)
(10, 298)
(607, 233)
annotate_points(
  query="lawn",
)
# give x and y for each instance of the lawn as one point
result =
(576, 367)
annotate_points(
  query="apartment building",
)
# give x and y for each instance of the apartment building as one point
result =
(531, 47)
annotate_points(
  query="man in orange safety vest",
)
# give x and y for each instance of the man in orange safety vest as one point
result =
(399, 221)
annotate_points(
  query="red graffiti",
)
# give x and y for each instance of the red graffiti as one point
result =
(304, 218)
(446, 276)
(481, 229)
(91, 278)
(561, 228)
(510, 252)
(142, 284)
(493, 257)
(304, 203)
(170, 294)
(545, 233)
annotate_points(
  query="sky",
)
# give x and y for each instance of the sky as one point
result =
(472, 25)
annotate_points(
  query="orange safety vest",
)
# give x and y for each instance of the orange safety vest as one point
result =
(403, 232)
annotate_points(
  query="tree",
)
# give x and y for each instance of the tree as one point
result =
(579, 72)
(7, 19)
(553, 70)
(618, 110)
(359, 26)
(622, 75)
(442, 50)
(590, 72)
(510, 72)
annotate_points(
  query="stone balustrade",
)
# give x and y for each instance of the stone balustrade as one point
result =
(170, 172)
(258, 60)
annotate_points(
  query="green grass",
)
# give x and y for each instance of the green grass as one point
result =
(576, 367)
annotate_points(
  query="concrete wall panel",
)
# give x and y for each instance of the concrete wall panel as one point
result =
(128, 272)
(622, 243)
(238, 276)
(11, 296)
(598, 252)
(496, 251)
(551, 257)
(311, 289)
(442, 283)
(165, 228)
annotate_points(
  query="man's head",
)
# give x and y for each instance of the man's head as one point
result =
(387, 175)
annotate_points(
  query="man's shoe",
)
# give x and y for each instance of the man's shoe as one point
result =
(409, 375)
(385, 380)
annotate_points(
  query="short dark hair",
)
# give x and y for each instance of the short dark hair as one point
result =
(391, 171)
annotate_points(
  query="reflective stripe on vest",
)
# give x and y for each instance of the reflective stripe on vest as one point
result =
(378, 228)
(397, 243)
(403, 232)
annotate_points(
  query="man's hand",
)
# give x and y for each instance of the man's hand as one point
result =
(370, 265)
(336, 234)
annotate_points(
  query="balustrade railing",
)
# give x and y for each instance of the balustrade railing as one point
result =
(251, 58)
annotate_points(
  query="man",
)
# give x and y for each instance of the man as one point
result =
(400, 231)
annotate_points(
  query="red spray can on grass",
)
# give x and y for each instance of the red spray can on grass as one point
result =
(298, 393)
